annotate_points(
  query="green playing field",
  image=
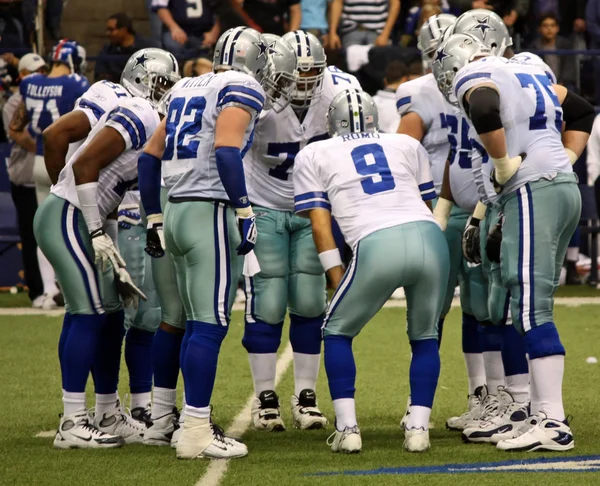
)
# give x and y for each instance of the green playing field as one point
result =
(30, 404)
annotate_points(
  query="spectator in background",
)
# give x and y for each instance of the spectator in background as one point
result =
(592, 20)
(190, 27)
(123, 42)
(511, 11)
(417, 15)
(272, 16)
(385, 99)
(363, 22)
(22, 188)
(197, 67)
(155, 25)
(314, 17)
(571, 14)
(564, 67)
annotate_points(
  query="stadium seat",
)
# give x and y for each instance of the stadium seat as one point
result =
(590, 225)
(9, 228)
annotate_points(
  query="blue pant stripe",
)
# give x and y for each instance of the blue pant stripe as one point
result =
(227, 266)
(217, 263)
(531, 259)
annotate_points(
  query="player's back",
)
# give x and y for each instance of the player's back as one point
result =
(189, 163)
(48, 98)
(422, 96)
(372, 180)
(531, 114)
(135, 119)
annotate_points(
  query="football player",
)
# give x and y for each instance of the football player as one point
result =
(514, 108)
(45, 99)
(374, 185)
(423, 117)
(291, 275)
(202, 141)
(70, 229)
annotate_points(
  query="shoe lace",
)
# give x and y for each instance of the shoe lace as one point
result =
(331, 438)
(218, 432)
(490, 408)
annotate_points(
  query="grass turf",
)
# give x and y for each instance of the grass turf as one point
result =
(31, 403)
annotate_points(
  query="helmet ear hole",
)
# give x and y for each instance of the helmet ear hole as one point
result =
(138, 80)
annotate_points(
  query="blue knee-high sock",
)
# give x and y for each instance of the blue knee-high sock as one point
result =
(166, 349)
(305, 334)
(189, 327)
(491, 338)
(543, 340)
(424, 372)
(440, 330)
(79, 349)
(64, 334)
(340, 366)
(514, 358)
(107, 362)
(200, 362)
(262, 338)
(138, 357)
(471, 342)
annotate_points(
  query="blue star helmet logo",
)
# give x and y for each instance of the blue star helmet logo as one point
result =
(440, 56)
(272, 50)
(263, 48)
(483, 25)
(141, 60)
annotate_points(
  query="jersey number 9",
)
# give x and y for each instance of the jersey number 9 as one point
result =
(381, 179)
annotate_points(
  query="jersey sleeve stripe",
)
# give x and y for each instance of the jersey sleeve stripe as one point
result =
(311, 195)
(134, 126)
(470, 77)
(241, 91)
(426, 186)
(403, 101)
(242, 100)
(93, 107)
(312, 205)
(428, 196)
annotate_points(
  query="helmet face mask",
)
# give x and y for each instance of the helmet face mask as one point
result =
(352, 111)
(150, 73)
(280, 75)
(311, 66)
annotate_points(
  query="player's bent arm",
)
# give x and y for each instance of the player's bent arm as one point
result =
(412, 125)
(106, 146)
(329, 254)
(149, 173)
(441, 213)
(68, 129)
(579, 117)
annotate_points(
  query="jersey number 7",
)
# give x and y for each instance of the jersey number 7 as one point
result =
(184, 123)
(541, 83)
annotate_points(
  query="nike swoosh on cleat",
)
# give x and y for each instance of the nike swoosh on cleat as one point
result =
(563, 438)
(87, 439)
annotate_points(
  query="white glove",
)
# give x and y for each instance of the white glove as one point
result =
(506, 167)
(441, 212)
(105, 251)
(128, 291)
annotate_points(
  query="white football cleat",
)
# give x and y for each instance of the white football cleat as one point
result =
(161, 432)
(416, 440)
(546, 435)
(119, 422)
(473, 412)
(143, 414)
(49, 303)
(347, 440)
(511, 415)
(200, 438)
(265, 412)
(488, 409)
(76, 432)
(38, 302)
(404, 420)
(306, 413)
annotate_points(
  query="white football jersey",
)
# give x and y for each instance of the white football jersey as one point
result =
(422, 96)
(531, 115)
(534, 60)
(136, 120)
(369, 181)
(389, 119)
(462, 181)
(278, 137)
(102, 97)
(189, 163)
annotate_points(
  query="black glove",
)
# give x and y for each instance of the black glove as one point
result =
(155, 240)
(494, 241)
(470, 241)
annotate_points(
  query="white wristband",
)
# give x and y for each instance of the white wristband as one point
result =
(154, 219)
(480, 210)
(244, 213)
(330, 259)
(88, 202)
(573, 157)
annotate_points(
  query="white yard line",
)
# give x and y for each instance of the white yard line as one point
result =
(28, 311)
(217, 468)
(45, 434)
